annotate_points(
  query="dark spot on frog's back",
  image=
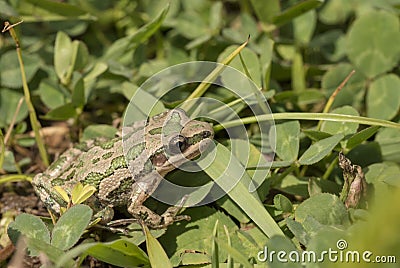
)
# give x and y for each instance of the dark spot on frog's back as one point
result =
(57, 182)
(107, 155)
(95, 160)
(108, 144)
(135, 151)
(123, 189)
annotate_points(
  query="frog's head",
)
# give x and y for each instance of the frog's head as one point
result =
(176, 139)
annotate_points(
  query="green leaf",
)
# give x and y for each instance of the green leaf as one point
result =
(226, 167)
(10, 72)
(62, 55)
(283, 203)
(265, 11)
(326, 208)
(304, 26)
(287, 140)
(71, 226)
(157, 256)
(237, 255)
(298, 231)
(80, 193)
(361, 136)
(352, 93)
(51, 94)
(319, 150)
(96, 131)
(389, 143)
(344, 128)
(61, 113)
(372, 42)
(335, 12)
(120, 253)
(82, 55)
(29, 226)
(382, 172)
(316, 135)
(295, 11)
(127, 44)
(201, 227)
(6, 10)
(78, 94)
(252, 64)
(50, 251)
(8, 103)
(383, 99)
(47, 10)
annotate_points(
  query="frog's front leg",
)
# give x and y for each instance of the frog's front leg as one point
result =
(149, 217)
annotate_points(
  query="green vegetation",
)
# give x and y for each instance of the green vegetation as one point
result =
(78, 64)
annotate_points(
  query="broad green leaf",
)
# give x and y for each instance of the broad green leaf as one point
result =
(325, 239)
(61, 113)
(127, 44)
(292, 185)
(120, 252)
(372, 42)
(326, 208)
(71, 226)
(361, 136)
(226, 167)
(381, 172)
(316, 135)
(252, 64)
(96, 131)
(44, 247)
(298, 231)
(294, 11)
(283, 203)
(265, 11)
(287, 140)
(353, 91)
(335, 11)
(383, 99)
(10, 72)
(304, 26)
(82, 55)
(344, 128)
(8, 103)
(157, 256)
(389, 143)
(201, 227)
(52, 95)
(59, 8)
(62, 55)
(319, 150)
(29, 226)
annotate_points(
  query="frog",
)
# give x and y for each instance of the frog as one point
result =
(127, 169)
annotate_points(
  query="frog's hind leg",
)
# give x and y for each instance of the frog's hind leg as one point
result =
(149, 217)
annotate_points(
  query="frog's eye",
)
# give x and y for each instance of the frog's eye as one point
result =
(177, 145)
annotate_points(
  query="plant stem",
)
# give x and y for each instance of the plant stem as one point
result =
(308, 116)
(32, 114)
